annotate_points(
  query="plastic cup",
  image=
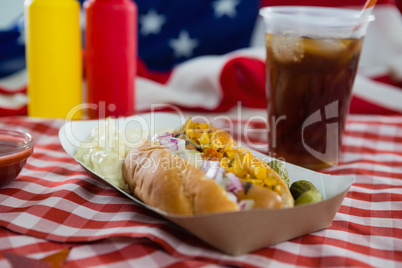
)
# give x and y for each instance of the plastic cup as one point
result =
(312, 59)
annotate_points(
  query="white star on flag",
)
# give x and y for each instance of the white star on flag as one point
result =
(151, 23)
(225, 7)
(183, 46)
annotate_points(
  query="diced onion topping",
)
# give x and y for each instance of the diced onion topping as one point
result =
(233, 183)
(246, 204)
(213, 170)
(229, 181)
(167, 141)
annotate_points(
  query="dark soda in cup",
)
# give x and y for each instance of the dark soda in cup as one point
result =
(312, 59)
(302, 80)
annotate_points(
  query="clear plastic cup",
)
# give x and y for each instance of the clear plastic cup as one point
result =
(312, 59)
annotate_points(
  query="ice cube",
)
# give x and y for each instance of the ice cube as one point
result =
(327, 48)
(287, 49)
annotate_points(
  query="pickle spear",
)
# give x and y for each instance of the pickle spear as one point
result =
(309, 197)
(304, 192)
(280, 168)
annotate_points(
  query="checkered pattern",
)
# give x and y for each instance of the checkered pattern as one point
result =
(54, 203)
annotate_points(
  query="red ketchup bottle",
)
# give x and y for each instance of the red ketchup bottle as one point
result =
(111, 51)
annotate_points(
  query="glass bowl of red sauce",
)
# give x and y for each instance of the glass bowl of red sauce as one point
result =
(15, 148)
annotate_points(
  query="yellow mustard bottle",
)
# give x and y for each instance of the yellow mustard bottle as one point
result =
(54, 58)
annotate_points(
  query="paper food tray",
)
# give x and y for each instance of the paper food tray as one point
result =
(240, 232)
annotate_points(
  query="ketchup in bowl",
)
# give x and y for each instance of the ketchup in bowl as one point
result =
(15, 147)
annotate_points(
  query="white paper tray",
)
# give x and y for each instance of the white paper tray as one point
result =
(241, 232)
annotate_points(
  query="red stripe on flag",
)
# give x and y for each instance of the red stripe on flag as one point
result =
(13, 112)
(22, 90)
(243, 79)
(361, 106)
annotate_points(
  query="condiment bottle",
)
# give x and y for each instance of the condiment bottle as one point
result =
(111, 49)
(54, 58)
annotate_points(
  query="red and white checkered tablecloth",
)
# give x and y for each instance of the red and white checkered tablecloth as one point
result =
(55, 204)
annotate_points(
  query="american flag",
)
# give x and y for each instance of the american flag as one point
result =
(171, 32)
(183, 51)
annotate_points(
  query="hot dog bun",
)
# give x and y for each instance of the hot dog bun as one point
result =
(168, 182)
(262, 197)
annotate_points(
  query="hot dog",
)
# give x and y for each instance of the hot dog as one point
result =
(168, 182)
(174, 185)
(218, 145)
